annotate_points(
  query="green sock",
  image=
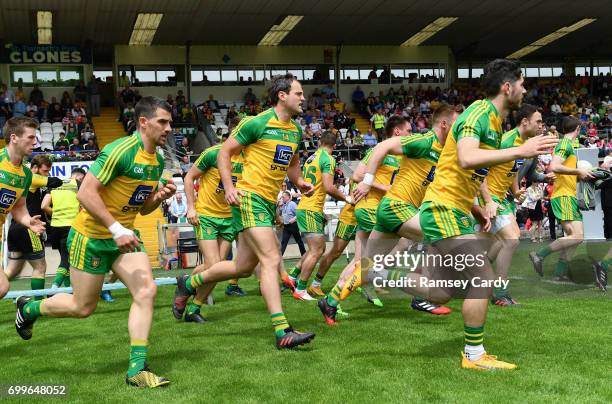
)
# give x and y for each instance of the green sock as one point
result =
(295, 272)
(544, 251)
(301, 285)
(31, 310)
(60, 274)
(194, 306)
(194, 282)
(279, 321)
(606, 263)
(395, 275)
(333, 297)
(37, 284)
(500, 292)
(562, 268)
(67, 280)
(319, 277)
(473, 335)
(138, 356)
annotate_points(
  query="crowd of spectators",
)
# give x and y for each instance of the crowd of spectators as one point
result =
(65, 124)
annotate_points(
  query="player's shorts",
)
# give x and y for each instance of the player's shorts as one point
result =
(93, 255)
(504, 206)
(24, 244)
(57, 234)
(254, 211)
(211, 228)
(565, 208)
(309, 221)
(391, 214)
(439, 222)
(366, 219)
(346, 231)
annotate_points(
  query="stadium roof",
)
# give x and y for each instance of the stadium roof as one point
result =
(484, 28)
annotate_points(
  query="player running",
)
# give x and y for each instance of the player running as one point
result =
(211, 217)
(564, 203)
(16, 179)
(501, 210)
(269, 142)
(23, 244)
(122, 182)
(319, 170)
(345, 233)
(473, 146)
(397, 214)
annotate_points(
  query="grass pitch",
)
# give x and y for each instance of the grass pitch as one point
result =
(559, 337)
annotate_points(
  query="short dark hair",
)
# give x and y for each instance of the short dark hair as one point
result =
(78, 170)
(18, 125)
(443, 111)
(497, 72)
(392, 123)
(327, 138)
(279, 83)
(526, 111)
(569, 124)
(40, 160)
(148, 105)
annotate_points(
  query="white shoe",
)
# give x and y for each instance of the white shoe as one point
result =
(302, 295)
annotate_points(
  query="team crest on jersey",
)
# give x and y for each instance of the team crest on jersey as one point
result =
(465, 221)
(95, 262)
(261, 217)
(283, 154)
(209, 231)
(7, 198)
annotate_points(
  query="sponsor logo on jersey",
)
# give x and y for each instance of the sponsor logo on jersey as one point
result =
(283, 154)
(7, 198)
(140, 195)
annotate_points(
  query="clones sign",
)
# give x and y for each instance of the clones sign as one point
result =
(45, 54)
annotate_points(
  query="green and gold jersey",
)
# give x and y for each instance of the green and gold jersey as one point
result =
(65, 203)
(321, 162)
(454, 186)
(417, 168)
(211, 195)
(14, 183)
(502, 176)
(129, 175)
(269, 147)
(385, 175)
(565, 185)
(347, 215)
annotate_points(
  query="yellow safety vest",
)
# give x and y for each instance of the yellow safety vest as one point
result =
(65, 204)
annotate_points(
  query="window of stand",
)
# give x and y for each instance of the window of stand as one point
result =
(46, 76)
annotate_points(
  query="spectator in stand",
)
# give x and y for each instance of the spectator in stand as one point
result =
(180, 98)
(126, 96)
(128, 114)
(93, 96)
(358, 98)
(87, 133)
(80, 92)
(5, 115)
(315, 128)
(184, 149)
(75, 146)
(369, 140)
(178, 208)
(20, 93)
(186, 164)
(242, 113)
(62, 143)
(67, 119)
(71, 132)
(66, 102)
(31, 108)
(555, 108)
(328, 90)
(36, 96)
(373, 75)
(231, 114)
(43, 112)
(212, 104)
(9, 97)
(19, 108)
(91, 145)
(250, 97)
